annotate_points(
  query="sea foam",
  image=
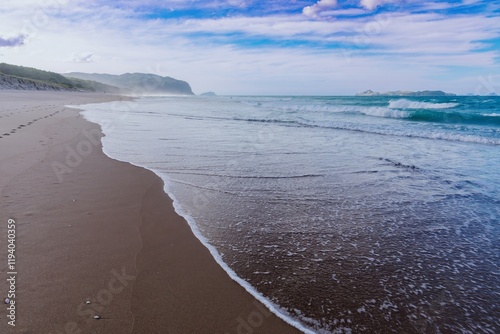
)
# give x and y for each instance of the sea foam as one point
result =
(408, 104)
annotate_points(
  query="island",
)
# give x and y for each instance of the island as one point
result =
(405, 93)
(208, 94)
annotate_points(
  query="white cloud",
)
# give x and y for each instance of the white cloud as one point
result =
(13, 41)
(238, 3)
(470, 2)
(406, 51)
(319, 6)
(372, 4)
(344, 12)
(29, 7)
(82, 58)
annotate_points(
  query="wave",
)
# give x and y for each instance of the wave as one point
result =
(389, 131)
(385, 112)
(393, 109)
(441, 135)
(330, 108)
(454, 117)
(408, 104)
(309, 107)
(398, 109)
(300, 176)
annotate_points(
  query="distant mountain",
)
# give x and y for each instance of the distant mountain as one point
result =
(28, 78)
(139, 83)
(208, 94)
(406, 93)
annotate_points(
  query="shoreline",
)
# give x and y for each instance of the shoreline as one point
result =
(270, 305)
(104, 231)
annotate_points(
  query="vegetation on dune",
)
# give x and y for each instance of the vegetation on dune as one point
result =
(35, 74)
(50, 79)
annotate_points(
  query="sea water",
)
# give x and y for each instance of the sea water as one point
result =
(343, 214)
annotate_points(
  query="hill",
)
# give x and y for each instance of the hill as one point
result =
(28, 78)
(17, 83)
(139, 83)
(405, 93)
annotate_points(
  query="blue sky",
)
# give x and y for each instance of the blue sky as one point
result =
(326, 47)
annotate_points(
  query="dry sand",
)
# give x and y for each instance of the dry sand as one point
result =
(90, 228)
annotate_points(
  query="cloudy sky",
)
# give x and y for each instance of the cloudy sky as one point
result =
(326, 47)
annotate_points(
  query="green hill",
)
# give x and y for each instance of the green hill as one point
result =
(28, 78)
(139, 83)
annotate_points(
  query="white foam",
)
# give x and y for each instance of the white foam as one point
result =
(408, 104)
(277, 310)
(491, 115)
(310, 107)
(385, 112)
(395, 109)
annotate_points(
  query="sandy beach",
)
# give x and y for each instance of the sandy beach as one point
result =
(99, 237)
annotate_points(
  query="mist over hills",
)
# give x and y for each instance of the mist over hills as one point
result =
(28, 78)
(138, 83)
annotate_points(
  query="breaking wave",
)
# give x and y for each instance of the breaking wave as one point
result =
(408, 104)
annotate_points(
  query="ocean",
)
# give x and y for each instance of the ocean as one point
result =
(347, 214)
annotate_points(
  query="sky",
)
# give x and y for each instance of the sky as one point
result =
(273, 47)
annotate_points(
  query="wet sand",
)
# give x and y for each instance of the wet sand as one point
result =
(99, 237)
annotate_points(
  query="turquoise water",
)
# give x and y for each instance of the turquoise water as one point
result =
(348, 214)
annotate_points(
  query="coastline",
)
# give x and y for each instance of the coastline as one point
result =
(90, 228)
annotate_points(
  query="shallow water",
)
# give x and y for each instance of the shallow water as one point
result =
(373, 215)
